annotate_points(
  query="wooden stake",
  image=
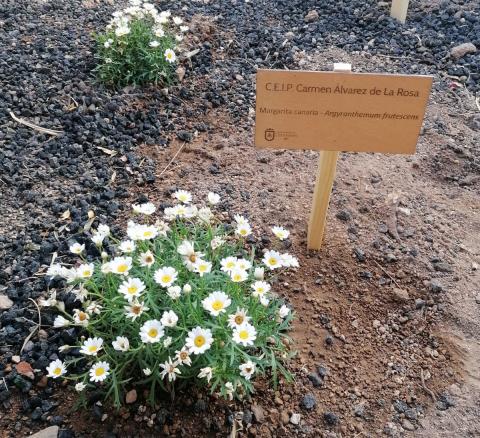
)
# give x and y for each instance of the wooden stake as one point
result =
(399, 10)
(327, 165)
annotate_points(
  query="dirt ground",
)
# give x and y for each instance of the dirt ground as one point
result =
(407, 223)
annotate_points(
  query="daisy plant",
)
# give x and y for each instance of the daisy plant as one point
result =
(140, 45)
(182, 300)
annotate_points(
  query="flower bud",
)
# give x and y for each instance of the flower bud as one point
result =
(259, 273)
(187, 288)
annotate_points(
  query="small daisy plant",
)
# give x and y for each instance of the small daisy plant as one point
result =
(182, 300)
(139, 45)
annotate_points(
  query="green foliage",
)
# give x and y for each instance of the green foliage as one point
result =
(138, 47)
(190, 273)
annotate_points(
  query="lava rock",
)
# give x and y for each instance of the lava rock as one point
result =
(461, 50)
(308, 401)
(330, 418)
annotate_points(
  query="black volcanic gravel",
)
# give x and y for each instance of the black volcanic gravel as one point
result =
(46, 61)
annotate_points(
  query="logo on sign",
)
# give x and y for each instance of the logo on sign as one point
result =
(269, 134)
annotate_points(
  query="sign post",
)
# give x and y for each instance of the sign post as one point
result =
(399, 10)
(338, 111)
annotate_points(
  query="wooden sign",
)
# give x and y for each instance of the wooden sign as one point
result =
(340, 112)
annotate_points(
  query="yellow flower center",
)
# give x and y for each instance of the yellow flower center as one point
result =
(202, 268)
(132, 289)
(166, 278)
(243, 334)
(199, 340)
(243, 231)
(92, 348)
(99, 371)
(237, 277)
(272, 261)
(87, 273)
(122, 268)
(147, 233)
(192, 258)
(82, 316)
(153, 333)
(217, 305)
(239, 319)
(230, 265)
(57, 371)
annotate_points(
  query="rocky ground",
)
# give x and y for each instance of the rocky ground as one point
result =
(388, 311)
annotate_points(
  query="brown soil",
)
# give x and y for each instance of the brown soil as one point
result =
(404, 213)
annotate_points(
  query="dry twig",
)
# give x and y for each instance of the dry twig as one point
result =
(429, 391)
(172, 160)
(386, 273)
(35, 127)
(35, 329)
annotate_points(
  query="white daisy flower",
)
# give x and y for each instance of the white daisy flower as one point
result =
(108, 60)
(243, 264)
(103, 230)
(206, 373)
(216, 242)
(159, 32)
(106, 268)
(121, 343)
(183, 357)
(174, 292)
(121, 265)
(238, 275)
(213, 198)
(184, 29)
(187, 251)
(132, 288)
(259, 273)
(135, 309)
(85, 270)
(127, 246)
(170, 56)
(154, 43)
(240, 220)
(56, 369)
(247, 369)
(51, 301)
(141, 232)
(281, 233)
(148, 7)
(272, 259)
(199, 340)
(202, 267)
(94, 308)
(107, 44)
(177, 20)
(146, 258)
(97, 239)
(238, 318)
(182, 195)
(283, 312)
(80, 317)
(169, 318)
(80, 386)
(170, 369)
(167, 342)
(205, 214)
(216, 303)
(289, 261)
(264, 301)
(165, 276)
(179, 38)
(91, 346)
(147, 371)
(121, 31)
(151, 331)
(228, 264)
(244, 334)
(60, 321)
(187, 288)
(99, 371)
(260, 288)
(77, 248)
(81, 294)
(243, 230)
(162, 227)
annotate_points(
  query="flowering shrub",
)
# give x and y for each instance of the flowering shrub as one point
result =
(183, 299)
(138, 46)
